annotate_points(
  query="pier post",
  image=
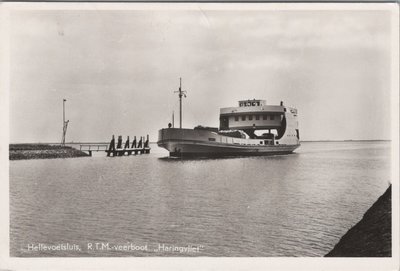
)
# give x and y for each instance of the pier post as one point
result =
(140, 143)
(134, 145)
(119, 145)
(134, 142)
(111, 148)
(127, 146)
(127, 143)
(146, 145)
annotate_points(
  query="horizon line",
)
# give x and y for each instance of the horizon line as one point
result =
(106, 142)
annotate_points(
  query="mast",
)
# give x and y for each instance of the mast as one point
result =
(181, 93)
(173, 119)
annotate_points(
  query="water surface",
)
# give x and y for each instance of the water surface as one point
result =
(291, 205)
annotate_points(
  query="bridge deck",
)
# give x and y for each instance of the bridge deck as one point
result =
(116, 151)
(119, 148)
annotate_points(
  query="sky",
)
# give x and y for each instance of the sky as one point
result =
(119, 69)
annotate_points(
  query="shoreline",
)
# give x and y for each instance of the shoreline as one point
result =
(42, 151)
(372, 235)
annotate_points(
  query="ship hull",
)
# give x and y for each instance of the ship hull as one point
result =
(195, 143)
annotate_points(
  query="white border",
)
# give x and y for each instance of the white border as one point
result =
(161, 263)
(395, 87)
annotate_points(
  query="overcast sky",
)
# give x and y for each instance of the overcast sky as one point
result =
(118, 70)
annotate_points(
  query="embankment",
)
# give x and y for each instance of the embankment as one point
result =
(372, 236)
(42, 151)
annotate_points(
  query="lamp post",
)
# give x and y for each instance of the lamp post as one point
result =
(64, 100)
(65, 125)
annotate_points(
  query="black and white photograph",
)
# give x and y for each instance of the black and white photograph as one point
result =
(260, 135)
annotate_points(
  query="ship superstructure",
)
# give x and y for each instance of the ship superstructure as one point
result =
(279, 121)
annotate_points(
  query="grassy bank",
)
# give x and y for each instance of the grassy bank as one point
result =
(42, 151)
(372, 236)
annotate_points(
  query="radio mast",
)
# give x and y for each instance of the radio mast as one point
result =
(181, 93)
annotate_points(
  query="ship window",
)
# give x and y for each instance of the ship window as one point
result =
(250, 117)
(261, 142)
(211, 139)
(265, 117)
(257, 117)
(243, 117)
(236, 118)
(272, 117)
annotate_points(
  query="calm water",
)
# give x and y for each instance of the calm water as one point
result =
(293, 205)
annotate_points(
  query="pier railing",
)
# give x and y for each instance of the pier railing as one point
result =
(93, 147)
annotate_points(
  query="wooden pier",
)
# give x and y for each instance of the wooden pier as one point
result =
(118, 148)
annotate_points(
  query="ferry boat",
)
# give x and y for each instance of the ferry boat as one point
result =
(251, 128)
